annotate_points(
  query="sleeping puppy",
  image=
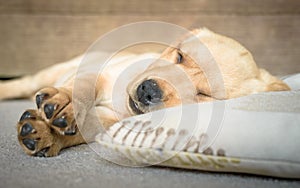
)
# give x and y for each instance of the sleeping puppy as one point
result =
(217, 67)
(202, 66)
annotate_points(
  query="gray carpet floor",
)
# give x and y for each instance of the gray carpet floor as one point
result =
(80, 167)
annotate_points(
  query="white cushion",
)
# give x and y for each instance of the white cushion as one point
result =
(257, 134)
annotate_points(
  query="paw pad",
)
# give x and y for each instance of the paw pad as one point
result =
(40, 98)
(49, 109)
(26, 129)
(60, 122)
(27, 115)
(42, 132)
(29, 143)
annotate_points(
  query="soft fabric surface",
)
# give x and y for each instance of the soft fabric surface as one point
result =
(257, 134)
(80, 167)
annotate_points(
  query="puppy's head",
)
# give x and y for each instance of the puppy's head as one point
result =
(203, 66)
(175, 78)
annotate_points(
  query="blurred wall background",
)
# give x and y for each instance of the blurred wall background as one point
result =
(37, 33)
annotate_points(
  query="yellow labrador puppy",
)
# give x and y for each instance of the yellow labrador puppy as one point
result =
(201, 67)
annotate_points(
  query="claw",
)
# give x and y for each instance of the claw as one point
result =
(42, 153)
(70, 132)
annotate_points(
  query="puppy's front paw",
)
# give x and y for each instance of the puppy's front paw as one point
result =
(35, 136)
(50, 128)
(55, 107)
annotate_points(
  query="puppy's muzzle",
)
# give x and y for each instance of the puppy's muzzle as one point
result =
(148, 93)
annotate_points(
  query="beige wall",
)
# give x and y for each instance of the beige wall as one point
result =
(37, 33)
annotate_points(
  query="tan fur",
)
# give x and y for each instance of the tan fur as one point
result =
(218, 67)
(213, 67)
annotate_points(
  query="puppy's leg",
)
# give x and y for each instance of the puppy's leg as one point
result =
(26, 87)
(54, 126)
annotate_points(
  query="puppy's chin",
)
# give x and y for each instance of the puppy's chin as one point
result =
(134, 107)
(137, 108)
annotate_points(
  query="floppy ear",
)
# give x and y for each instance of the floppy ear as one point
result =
(273, 83)
(229, 67)
(278, 86)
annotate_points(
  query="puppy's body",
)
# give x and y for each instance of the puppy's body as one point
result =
(201, 67)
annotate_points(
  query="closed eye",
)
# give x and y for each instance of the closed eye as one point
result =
(179, 57)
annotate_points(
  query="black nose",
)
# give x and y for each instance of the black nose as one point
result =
(149, 92)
